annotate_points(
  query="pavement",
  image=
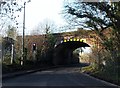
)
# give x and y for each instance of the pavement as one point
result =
(19, 73)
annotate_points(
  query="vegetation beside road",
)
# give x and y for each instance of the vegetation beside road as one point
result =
(107, 74)
(43, 56)
(28, 66)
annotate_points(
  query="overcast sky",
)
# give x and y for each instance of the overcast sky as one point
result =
(39, 10)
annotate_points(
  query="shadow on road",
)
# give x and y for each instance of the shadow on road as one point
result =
(77, 65)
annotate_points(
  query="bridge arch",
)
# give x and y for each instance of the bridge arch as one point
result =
(63, 52)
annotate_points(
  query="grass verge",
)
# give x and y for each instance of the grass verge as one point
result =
(104, 74)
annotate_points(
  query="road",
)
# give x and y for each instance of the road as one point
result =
(64, 76)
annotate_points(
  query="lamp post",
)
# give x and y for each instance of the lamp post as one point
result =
(22, 59)
(1, 3)
(23, 48)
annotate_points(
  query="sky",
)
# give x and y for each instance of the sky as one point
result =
(39, 10)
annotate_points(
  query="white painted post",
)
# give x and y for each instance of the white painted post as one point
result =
(12, 54)
(34, 56)
(34, 49)
(21, 62)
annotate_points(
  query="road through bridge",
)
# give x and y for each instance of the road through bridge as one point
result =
(63, 52)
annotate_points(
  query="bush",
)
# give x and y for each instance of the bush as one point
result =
(88, 69)
(10, 68)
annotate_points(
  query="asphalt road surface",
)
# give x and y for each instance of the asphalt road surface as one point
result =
(58, 77)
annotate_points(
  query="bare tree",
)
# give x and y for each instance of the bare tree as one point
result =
(11, 32)
(9, 12)
(93, 15)
(44, 27)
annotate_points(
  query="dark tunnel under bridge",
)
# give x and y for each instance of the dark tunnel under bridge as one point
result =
(63, 52)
